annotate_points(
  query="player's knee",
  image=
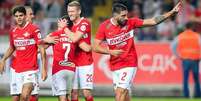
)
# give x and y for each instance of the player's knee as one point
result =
(122, 91)
(24, 97)
(87, 93)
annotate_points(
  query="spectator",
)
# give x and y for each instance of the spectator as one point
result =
(6, 18)
(166, 30)
(151, 8)
(187, 46)
(196, 17)
(87, 7)
(185, 14)
(53, 9)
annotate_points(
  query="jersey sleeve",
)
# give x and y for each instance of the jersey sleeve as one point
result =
(136, 22)
(100, 34)
(83, 27)
(37, 36)
(11, 39)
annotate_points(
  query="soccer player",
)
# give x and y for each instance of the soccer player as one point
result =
(30, 17)
(118, 32)
(80, 32)
(63, 64)
(24, 40)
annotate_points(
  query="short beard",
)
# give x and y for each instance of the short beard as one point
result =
(122, 22)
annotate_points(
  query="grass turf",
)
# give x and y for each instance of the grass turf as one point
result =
(112, 99)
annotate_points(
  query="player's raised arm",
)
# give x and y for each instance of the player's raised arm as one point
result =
(161, 18)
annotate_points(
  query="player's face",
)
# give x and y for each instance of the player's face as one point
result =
(30, 15)
(20, 18)
(73, 13)
(122, 18)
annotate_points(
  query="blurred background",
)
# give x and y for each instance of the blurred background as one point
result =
(159, 72)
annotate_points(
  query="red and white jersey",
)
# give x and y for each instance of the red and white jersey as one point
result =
(120, 38)
(25, 41)
(63, 53)
(83, 58)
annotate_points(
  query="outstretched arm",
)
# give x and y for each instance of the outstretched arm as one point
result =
(161, 18)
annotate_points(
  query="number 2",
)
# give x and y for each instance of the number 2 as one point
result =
(124, 75)
(67, 47)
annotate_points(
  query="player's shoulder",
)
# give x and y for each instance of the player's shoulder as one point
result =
(13, 29)
(32, 25)
(85, 21)
(105, 24)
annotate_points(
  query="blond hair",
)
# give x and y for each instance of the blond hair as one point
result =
(75, 4)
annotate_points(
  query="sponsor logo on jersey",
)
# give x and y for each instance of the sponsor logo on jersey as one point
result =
(66, 63)
(121, 38)
(24, 42)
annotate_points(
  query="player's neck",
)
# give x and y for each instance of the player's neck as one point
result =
(77, 20)
(114, 21)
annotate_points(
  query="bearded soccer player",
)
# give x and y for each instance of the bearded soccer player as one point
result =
(80, 33)
(24, 40)
(118, 32)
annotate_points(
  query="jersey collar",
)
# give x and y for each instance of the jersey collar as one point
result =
(79, 20)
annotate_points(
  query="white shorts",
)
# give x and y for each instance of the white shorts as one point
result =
(62, 82)
(19, 79)
(84, 77)
(123, 78)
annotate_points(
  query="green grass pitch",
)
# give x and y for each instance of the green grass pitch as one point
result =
(111, 99)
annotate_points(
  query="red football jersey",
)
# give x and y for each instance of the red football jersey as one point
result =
(83, 58)
(25, 41)
(63, 53)
(120, 38)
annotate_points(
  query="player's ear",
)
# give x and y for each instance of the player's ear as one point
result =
(79, 12)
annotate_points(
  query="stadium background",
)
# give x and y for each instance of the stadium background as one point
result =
(159, 72)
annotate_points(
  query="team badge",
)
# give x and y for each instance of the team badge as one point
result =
(26, 34)
(83, 28)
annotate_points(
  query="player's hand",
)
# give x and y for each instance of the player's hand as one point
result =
(44, 75)
(177, 8)
(2, 65)
(116, 52)
(62, 23)
(51, 39)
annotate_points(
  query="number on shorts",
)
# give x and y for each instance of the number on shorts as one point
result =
(67, 47)
(124, 75)
(89, 78)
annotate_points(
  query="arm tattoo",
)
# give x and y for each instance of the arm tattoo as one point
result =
(159, 19)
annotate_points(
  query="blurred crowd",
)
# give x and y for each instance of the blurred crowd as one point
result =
(191, 11)
(47, 11)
